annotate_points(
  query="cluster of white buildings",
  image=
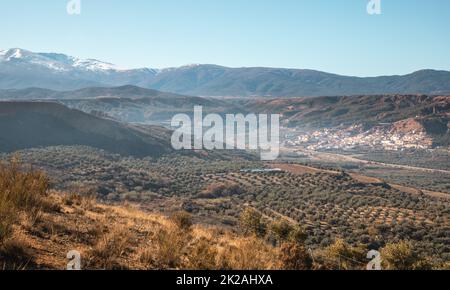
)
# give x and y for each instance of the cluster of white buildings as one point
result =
(377, 138)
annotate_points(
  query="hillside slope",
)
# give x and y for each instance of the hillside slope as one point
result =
(127, 91)
(347, 110)
(125, 103)
(124, 237)
(41, 232)
(40, 124)
(212, 80)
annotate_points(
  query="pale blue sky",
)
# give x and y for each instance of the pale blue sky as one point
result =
(329, 35)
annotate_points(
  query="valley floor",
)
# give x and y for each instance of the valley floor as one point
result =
(138, 213)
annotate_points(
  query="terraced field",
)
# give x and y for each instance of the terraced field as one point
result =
(327, 204)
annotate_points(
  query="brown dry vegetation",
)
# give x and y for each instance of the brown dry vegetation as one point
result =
(39, 227)
(123, 237)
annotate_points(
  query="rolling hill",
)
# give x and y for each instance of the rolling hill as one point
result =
(21, 69)
(403, 114)
(39, 124)
(125, 103)
(347, 110)
(126, 91)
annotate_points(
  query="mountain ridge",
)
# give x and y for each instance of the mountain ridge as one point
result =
(20, 69)
(125, 103)
(347, 110)
(128, 91)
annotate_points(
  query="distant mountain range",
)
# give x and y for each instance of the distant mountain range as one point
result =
(125, 103)
(21, 69)
(126, 91)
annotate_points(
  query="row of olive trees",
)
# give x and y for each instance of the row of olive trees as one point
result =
(294, 255)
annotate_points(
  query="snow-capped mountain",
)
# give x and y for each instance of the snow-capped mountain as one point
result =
(20, 68)
(55, 61)
(20, 55)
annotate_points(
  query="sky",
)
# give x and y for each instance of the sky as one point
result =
(328, 35)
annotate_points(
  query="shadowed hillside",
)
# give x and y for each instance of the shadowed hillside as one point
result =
(126, 103)
(347, 110)
(40, 124)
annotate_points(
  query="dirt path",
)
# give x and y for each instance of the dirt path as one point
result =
(301, 169)
(348, 158)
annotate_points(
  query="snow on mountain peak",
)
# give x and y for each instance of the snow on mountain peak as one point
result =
(13, 53)
(22, 55)
(94, 65)
(60, 62)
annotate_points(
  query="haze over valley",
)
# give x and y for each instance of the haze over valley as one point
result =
(88, 162)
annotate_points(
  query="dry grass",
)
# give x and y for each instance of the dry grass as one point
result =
(172, 244)
(203, 255)
(117, 237)
(248, 254)
(23, 195)
(109, 249)
(23, 189)
(38, 228)
(8, 217)
(182, 220)
(15, 255)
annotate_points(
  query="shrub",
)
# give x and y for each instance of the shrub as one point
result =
(202, 256)
(171, 245)
(298, 235)
(146, 257)
(8, 217)
(295, 257)
(15, 255)
(401, 256)
(249, 254)
(72, 199)
(281, 230)
(345, 257)
(251, 222)
(24, 189)
(109, 248)
(20, 191)
(182, 219)
(217, 190)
